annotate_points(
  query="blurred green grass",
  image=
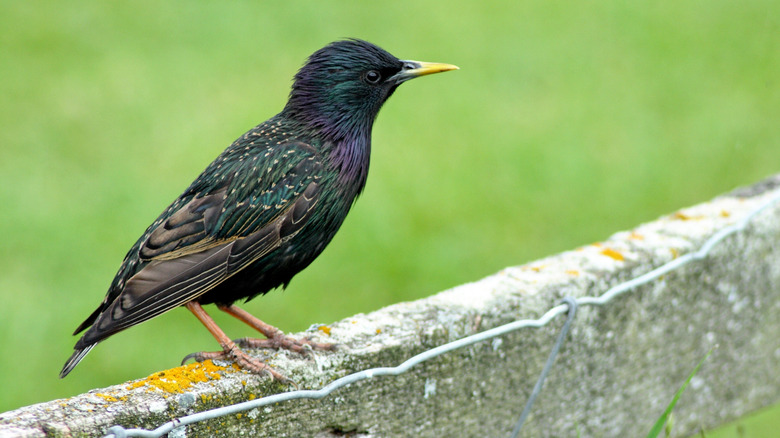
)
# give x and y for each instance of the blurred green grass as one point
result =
(567, 122)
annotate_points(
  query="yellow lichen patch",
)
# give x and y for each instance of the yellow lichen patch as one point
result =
(181, 378)
(110, 398)
(613, 254)
(324, 329)
(573, 272)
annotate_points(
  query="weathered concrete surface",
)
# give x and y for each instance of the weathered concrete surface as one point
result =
(617, 371)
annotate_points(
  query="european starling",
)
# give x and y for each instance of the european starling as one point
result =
(263, 210)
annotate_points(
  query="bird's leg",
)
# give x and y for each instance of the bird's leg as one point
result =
(276, 338)
(229, 348)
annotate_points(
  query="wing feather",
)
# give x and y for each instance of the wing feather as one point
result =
(208, 236)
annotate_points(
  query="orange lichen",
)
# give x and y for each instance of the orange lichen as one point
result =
(613, 254)
(685, 217)
(178, 379)
(324, 329)
(681, 216)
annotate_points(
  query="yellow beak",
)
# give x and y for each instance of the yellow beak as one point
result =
(414, 69)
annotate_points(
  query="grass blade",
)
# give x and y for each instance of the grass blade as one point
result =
(659, 425)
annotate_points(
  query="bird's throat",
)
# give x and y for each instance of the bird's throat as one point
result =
(351, 157)
(346, 137)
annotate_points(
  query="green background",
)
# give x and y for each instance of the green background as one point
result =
(567, 122)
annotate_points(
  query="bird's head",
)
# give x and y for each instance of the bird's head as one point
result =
(342, 86)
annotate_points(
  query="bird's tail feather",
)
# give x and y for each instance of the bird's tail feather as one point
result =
(75, 359)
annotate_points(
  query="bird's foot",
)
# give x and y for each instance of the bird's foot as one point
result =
(243, 360)
(201, 356)
(276, 339)
(280, 340)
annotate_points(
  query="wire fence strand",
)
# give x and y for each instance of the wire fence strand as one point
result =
(570, 305)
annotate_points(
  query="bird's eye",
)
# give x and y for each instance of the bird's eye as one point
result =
(373, 77)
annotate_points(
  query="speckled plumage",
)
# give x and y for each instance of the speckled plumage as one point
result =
(268, 205)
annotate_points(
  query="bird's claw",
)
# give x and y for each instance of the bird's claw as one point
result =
(256, 366)
(302, 346)
(243, 360)
(200, 356)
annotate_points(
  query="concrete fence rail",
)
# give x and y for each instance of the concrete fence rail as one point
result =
(616, 372)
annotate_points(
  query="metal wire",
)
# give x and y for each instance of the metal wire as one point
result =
(572, 303)
(609, 295)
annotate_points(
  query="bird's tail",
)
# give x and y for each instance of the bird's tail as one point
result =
(75, 359)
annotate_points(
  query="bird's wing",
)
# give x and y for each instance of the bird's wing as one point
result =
(215, 234)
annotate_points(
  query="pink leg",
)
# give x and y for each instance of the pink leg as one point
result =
(229, 348)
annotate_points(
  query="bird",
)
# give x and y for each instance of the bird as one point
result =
(262, 211)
